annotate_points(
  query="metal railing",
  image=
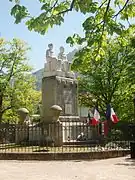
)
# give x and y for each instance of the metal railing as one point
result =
(58, 137)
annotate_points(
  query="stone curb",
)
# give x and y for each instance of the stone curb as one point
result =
(64, 156)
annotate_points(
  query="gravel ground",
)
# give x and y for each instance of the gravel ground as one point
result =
(110, 169)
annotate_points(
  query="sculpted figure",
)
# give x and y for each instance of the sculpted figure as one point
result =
(51, 59)
(64, 61)
(61, 54)
(59, 65)
(49, 52)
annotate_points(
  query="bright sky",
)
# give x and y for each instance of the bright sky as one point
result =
(37, 42)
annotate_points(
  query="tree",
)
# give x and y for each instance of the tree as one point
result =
(110, 80)
(16, 84)
(103, 18)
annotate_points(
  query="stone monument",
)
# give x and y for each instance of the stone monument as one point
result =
(59, 87)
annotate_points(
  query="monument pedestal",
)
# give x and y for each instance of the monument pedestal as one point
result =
(61, 91)
(59, 74)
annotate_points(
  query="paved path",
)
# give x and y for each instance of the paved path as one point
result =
(111, 169)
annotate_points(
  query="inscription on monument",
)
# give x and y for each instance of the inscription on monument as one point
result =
(67, 96)
(68, 101)
(68, 109)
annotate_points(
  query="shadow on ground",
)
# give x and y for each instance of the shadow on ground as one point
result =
(127, 162)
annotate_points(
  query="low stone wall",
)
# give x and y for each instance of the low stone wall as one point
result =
(64, 156)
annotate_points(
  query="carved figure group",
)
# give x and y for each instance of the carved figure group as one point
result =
(54, 63)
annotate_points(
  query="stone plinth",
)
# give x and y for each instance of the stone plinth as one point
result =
(61, 91)
(56, 133)
(21, 134)
(59, 73)
(35, 134)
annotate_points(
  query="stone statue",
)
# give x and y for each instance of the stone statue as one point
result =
(51, 59)
(59, 65)
(49, 52)
(61, 54)
(64, 62)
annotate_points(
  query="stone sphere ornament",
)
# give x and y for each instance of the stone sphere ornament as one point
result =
(55, 111)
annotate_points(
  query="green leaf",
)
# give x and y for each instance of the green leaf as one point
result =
(19, 12)
(70, 40)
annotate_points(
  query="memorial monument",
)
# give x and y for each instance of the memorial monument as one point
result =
(59, 87)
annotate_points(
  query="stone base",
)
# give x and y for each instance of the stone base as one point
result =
(104, 154)
(21, 134)
(35, 134)
(69, 118)
(56, 134)
(61, 91)
(71, 127)
(59, 73)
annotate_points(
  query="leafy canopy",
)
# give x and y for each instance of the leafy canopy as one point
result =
(16, 83)
(110, 80)
(103, 18)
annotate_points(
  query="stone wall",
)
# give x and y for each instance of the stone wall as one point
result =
(64, 156)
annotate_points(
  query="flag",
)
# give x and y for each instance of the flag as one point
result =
(96, 117)
(114, 117)
(110, 114)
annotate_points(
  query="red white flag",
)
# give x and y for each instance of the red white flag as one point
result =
(114, 117)
(96, 117)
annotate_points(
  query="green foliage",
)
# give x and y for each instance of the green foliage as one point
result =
(16, 83)
(19, 12)
(115, 135)
(103, 18)
(110, 80)
(107, 66)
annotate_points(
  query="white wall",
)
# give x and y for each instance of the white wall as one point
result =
(83, 111)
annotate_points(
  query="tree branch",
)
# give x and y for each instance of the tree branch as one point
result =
(11, 104)
(105, 15)
(12, 69)
(102, 4)
(103, 27)
(127, 1)
(7, 108)
(52, 6)
(2, 65)
(67, 10)
(117, 80)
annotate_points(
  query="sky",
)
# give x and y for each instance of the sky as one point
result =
(37, 42)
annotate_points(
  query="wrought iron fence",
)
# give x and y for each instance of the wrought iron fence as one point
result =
(59, 137)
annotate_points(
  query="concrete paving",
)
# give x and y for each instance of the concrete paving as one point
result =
(110, 169)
